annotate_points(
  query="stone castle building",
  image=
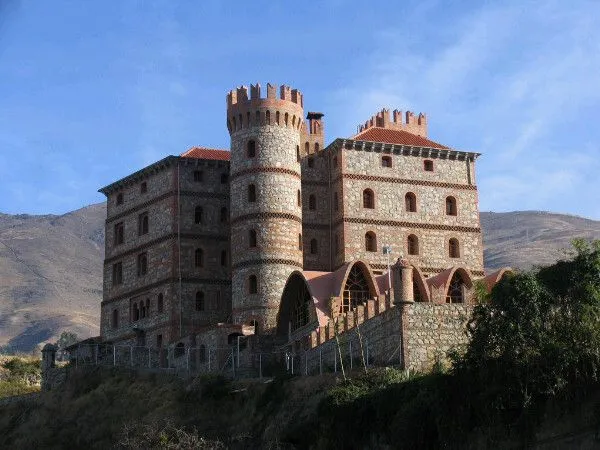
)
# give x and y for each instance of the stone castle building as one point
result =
(289, 239)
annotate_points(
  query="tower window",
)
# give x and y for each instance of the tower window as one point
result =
(252, 284)
(198, 214)
(453, 248)
(450, 206)
(428, 165)
(312, 202)
(277, 117)
(252, 238)
(316, 147)
(160, 303)
(306, 148)
(314, 247)
(368, 199)
(200, 301)
(117, 273)
(251, 149)
(143, 188)
(120, 198)
(198, 176)
(223, 215)
(223, 258)
(412, 243)
(119, 233)
(311, 162)
(142, 264)
(143, 223)
(199, 257)
(251, 193)
(268, 117)
(410, 200)
(297, 153)
(370, 242)
(386, 161)
(115, 318)
(299, 198)
(300, 242)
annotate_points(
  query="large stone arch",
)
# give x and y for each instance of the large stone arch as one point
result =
(357, 286)
(297, 306)
(440, 285)
(420, 288)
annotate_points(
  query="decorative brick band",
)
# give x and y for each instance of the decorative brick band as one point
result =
(160, 240)
(424, 226)
(266, 215)
(315, 226)
(477, 273)
(265, 170)
(168, 280)
(256, 262)
(356, 176)
(164, 196)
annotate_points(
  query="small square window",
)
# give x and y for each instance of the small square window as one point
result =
(119, 233)
(428, 165)
(386, 161)
(120, 198)
(143, 188)
(198, 176)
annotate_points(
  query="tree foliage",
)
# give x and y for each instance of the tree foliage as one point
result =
(66, 338)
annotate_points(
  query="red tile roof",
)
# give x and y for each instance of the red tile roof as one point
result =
(390, 136)
(207, 153)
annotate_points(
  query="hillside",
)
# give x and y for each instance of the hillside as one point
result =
(51, 266)
(50, 275)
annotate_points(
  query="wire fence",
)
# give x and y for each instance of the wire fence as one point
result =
(348, 352)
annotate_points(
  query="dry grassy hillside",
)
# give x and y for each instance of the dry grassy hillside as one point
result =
(51, 266)
(50, 275)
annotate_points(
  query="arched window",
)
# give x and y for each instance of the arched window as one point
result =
(252, 284)
(234, 123)
(223, 215)
(410, 201)
(251, 149)
(368, 199)
(160, 303)
(136, 312)
(179, 350)
(251, 193)
(115, 318)
(453, 248)
(297, 153)
(277, 117)
(248, 119)
(241, 121)
(268, 117)
(316, 147)
(299, 241)
(252, 238)
(314, 247)
(356, 290)
(200, 301)
(306, 148)
(198, 214)
(299, 199)
(202, 353)
(412, 243)
(456, 289)
(257, 118)
(335, 201)
(285, 119)
(312, 202)
(370, 242)
(450, 206)
(223, 258)
(199, 257)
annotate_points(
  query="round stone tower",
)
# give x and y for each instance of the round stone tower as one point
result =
(266, 209)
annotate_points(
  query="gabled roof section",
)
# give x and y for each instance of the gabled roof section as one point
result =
(399, 137)
(207, 153)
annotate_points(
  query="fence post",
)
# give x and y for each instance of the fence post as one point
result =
(320, 361)
(114, 355)
(350, 351)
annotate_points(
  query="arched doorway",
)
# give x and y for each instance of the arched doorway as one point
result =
(457, 289)
(357, 290)
(296, 301)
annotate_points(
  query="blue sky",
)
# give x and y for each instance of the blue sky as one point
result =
(92, 91)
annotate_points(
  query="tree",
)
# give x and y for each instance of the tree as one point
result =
(66, 338)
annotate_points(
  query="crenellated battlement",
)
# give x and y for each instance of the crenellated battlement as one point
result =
(411, 123)
(284, 108)
(239, 96)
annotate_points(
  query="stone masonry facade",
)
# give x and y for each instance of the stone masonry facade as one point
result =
(284, 236)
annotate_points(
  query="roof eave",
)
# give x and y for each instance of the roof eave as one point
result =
(142, 173)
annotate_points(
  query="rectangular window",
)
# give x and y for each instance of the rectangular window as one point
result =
(143, 188)
(142, 264)
(143, 223)
(428, 165)
(386, 161)
(117, 275)
(198, 176)
(120, 198)
(119, 233)
(159, 341)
